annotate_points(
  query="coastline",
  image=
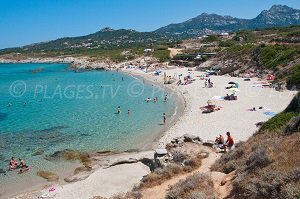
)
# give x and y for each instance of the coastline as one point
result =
(193, 96)
(147, 143)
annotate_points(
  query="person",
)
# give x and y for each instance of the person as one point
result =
(12, 164)
(164, 118)
(122, 78)
(156, 98)
(128, 111)
(148, 99)
(220, 140)
(119, 109)
(229, 142)
(22, 163)
(166, 98)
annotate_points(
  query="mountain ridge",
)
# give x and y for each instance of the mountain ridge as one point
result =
(277, 15)
(108, 38)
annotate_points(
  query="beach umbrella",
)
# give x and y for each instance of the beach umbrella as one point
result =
(234, 89)
(211, 102)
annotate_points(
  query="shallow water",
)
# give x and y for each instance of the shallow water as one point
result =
(54, 108)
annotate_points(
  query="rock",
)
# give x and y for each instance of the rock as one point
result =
(81, 169)
(191, 138)
(161, 152)
(170, 146)
(66, 154)
(86, 160)
(49, 176)
(292, 126)
(2, 171)
(209, 143)
(38, 152)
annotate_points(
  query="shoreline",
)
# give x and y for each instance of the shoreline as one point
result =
(148, 142)
(192, 121)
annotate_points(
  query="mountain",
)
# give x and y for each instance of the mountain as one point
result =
(108, 38)
(277, 15)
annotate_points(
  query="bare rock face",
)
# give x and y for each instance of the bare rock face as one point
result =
(292, 126)
(49, 176)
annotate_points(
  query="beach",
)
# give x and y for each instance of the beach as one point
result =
(234, 116)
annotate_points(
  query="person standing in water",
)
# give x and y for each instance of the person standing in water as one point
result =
(164, 118)
(128, 111)
(119, 110)
(166, 98)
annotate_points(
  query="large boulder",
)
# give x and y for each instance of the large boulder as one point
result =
(49, 176)
(66, 154)
(191, 138)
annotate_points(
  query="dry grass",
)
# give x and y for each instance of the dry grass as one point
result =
(267, 166)
(197, 186)
(181, 164)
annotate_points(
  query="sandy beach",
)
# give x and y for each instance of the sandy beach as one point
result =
(234, 117)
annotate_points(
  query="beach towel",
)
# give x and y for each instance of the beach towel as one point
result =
(219, 98)
(270, 113)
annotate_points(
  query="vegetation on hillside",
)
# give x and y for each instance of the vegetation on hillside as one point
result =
(267, 165)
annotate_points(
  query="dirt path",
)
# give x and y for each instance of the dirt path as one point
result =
(159, 192)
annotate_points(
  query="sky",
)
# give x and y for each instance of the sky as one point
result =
(24, 22)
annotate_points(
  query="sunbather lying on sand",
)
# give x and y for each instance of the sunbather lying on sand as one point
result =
(210, 108)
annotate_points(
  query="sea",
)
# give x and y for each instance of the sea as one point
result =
(45, 108)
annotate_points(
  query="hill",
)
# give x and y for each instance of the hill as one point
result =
(267, 165)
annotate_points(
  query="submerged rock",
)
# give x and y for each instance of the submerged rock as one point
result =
(49, 176)
(67, 154)
(38, 152)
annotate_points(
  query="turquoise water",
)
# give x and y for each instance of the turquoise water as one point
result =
(47, 107)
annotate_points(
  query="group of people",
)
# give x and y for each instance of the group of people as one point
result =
(208, 83)
(222, 144)
(148, 100)
(13, 164)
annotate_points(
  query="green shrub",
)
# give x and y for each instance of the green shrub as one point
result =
(278, 121)
(240, 49)
(227, 43)
(294, 77)
(162, 55)
(275, 55)
(210, 38)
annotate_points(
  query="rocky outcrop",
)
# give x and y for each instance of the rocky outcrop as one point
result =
(49, 176)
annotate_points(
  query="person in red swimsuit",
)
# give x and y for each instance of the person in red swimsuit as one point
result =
(229, 142)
